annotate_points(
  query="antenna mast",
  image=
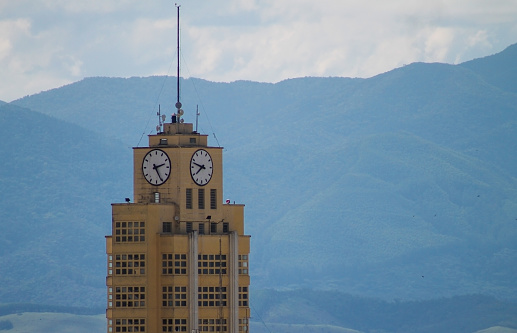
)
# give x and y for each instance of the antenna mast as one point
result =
(178, 104)
(197, 115)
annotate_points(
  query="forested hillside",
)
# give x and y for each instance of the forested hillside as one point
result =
(57, 181)
(400, 186)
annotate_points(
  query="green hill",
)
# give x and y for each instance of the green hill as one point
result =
(57, 181)
(400, 186)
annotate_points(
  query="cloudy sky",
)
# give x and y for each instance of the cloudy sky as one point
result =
(45, 44)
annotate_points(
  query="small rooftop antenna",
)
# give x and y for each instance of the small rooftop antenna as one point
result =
(179, 113)
(160, 117)
(197, 115)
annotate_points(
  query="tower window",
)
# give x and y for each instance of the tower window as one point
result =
(213, 198)
(201, 228)
(243, 264)
(189, 227)
(174, 296)
(211, 264)
(129, 232)
(129, 297)
(201, 198)
(212, 325)
(188, 198)
(226, 227)
(167, 227)
(156, 197)
(130, 264)
(163, 141)
(192, 140)
(213, 228)
(174, 325)
(212, 296)
(130, 325)
(174, 264)
(243, 296)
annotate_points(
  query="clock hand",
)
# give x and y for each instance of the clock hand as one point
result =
(155, 167)
(201, 167)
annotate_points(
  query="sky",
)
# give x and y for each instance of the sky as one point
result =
(45, 44)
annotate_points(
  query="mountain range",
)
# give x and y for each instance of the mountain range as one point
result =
(402, 186)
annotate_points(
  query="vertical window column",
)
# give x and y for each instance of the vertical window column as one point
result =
(188, 198)
(213, 198)
(201, 198)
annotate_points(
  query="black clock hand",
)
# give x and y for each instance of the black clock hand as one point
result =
(199, 165)
(155, 167)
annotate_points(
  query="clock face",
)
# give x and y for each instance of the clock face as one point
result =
(156, 167)
(201, 167)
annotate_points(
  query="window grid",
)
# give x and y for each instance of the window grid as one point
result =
(174, 325)
(211, 296)
(243, 296)
(129, 232)
(167, 227)
(243, 264)
(174, 296)
(243, 324)
(129, 297)
(213, 227)
(211, 264)
(174, 264)
(130, 325)
(212, 325)
(110, 297)
(110, 264)
(226, 227)
(130, 264)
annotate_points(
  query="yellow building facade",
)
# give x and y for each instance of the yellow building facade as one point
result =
(178, 256)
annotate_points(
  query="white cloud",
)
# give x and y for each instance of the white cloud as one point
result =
(49, 42)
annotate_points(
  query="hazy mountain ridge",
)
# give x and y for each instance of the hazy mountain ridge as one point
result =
(503, 75)
(55, 179)
(398, 186)
(308, 311)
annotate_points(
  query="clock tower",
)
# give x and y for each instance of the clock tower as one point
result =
(177, 255)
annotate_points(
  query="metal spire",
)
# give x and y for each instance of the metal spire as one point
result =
(178, 104)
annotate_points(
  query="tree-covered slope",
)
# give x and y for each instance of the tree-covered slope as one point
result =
(402, 185)
(499, 69)
(57, 181)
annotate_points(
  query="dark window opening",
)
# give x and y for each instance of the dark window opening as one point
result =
(213, 199)
(188, 198)
(167, 227)
(201, 198)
